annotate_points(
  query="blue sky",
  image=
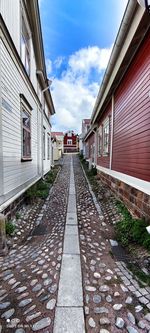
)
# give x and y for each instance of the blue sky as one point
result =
(78, 37)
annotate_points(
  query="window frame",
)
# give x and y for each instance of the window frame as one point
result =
(100, 141)
(25, 41)
(69, 142)
(26, 109)
(48, 146)
(106, 136)
(44, 143)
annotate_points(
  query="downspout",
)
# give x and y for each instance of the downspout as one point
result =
(112, 132)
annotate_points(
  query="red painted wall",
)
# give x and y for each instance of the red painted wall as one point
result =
(73, 138)
(74, 146)
(104, 161)
(90, 142)
(131, 144)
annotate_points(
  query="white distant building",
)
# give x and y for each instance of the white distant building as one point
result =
(57, 145)
(85, 128)
(25, 139)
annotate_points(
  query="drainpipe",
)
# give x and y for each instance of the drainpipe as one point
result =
(42, 116)
(112, 132)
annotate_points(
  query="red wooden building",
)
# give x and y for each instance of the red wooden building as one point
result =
(119, 138)
(71, 142)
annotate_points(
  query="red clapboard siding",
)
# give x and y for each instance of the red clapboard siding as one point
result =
(104, 161)
(131, 143)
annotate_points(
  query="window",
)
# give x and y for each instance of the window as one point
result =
(100, 141)
(43, 143)
(69, 142)
(26, 129)
(93, 152)
(25, 45)
(48, 146)
(106, 136)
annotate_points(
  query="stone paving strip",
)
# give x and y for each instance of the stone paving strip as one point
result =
(69, 316)
(113, 300)
(29, 275)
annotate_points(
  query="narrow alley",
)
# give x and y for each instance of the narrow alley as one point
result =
(62, 276)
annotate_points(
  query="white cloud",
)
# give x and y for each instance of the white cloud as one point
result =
(74, 93)
(58, 62)
(89, 58)
(48, 66)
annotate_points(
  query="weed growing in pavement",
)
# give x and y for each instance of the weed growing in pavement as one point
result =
(10, 228)
(42, 187)
(111, 253)
(130, 230)
(139, 274)
(18, 215)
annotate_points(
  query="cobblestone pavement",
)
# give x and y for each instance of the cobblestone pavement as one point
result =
(113, 300)
(29, 275)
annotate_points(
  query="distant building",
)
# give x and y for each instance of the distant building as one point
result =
(71, 142)
(85, 128)
(57, 145)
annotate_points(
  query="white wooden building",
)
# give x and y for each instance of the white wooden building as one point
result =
(25, 108)
(57, 145)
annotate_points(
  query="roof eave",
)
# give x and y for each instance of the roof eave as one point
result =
(132, 9)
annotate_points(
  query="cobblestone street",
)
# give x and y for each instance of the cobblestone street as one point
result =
(48, 281)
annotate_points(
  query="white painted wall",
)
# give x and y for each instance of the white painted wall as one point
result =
(15, 172)
(16, 176)
(11, 13)
(46, 161)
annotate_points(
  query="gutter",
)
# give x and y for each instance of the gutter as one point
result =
(35, 22)
(125, 24)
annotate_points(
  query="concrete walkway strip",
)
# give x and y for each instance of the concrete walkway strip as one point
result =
(70, 285)
(69, 320)
(71, 245)
(71, 219)
(69, 316)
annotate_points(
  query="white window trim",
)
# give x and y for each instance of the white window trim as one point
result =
(69, 142)
(24, 16)
(105, 124)
(139, 184)
(100, 133)
(27, 109)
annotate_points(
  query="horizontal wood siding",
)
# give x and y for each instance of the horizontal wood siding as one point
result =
(131, 144)
(16, 172)
(104, 161)
(10, 11)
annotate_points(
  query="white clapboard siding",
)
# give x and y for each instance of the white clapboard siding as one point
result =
(15, 172)
(46, 161)
(10, 11)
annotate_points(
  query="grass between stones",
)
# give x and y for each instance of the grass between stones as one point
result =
(42, 187)
(139, 274)
(130, 230)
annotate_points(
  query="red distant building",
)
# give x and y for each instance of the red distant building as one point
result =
(71, 142)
